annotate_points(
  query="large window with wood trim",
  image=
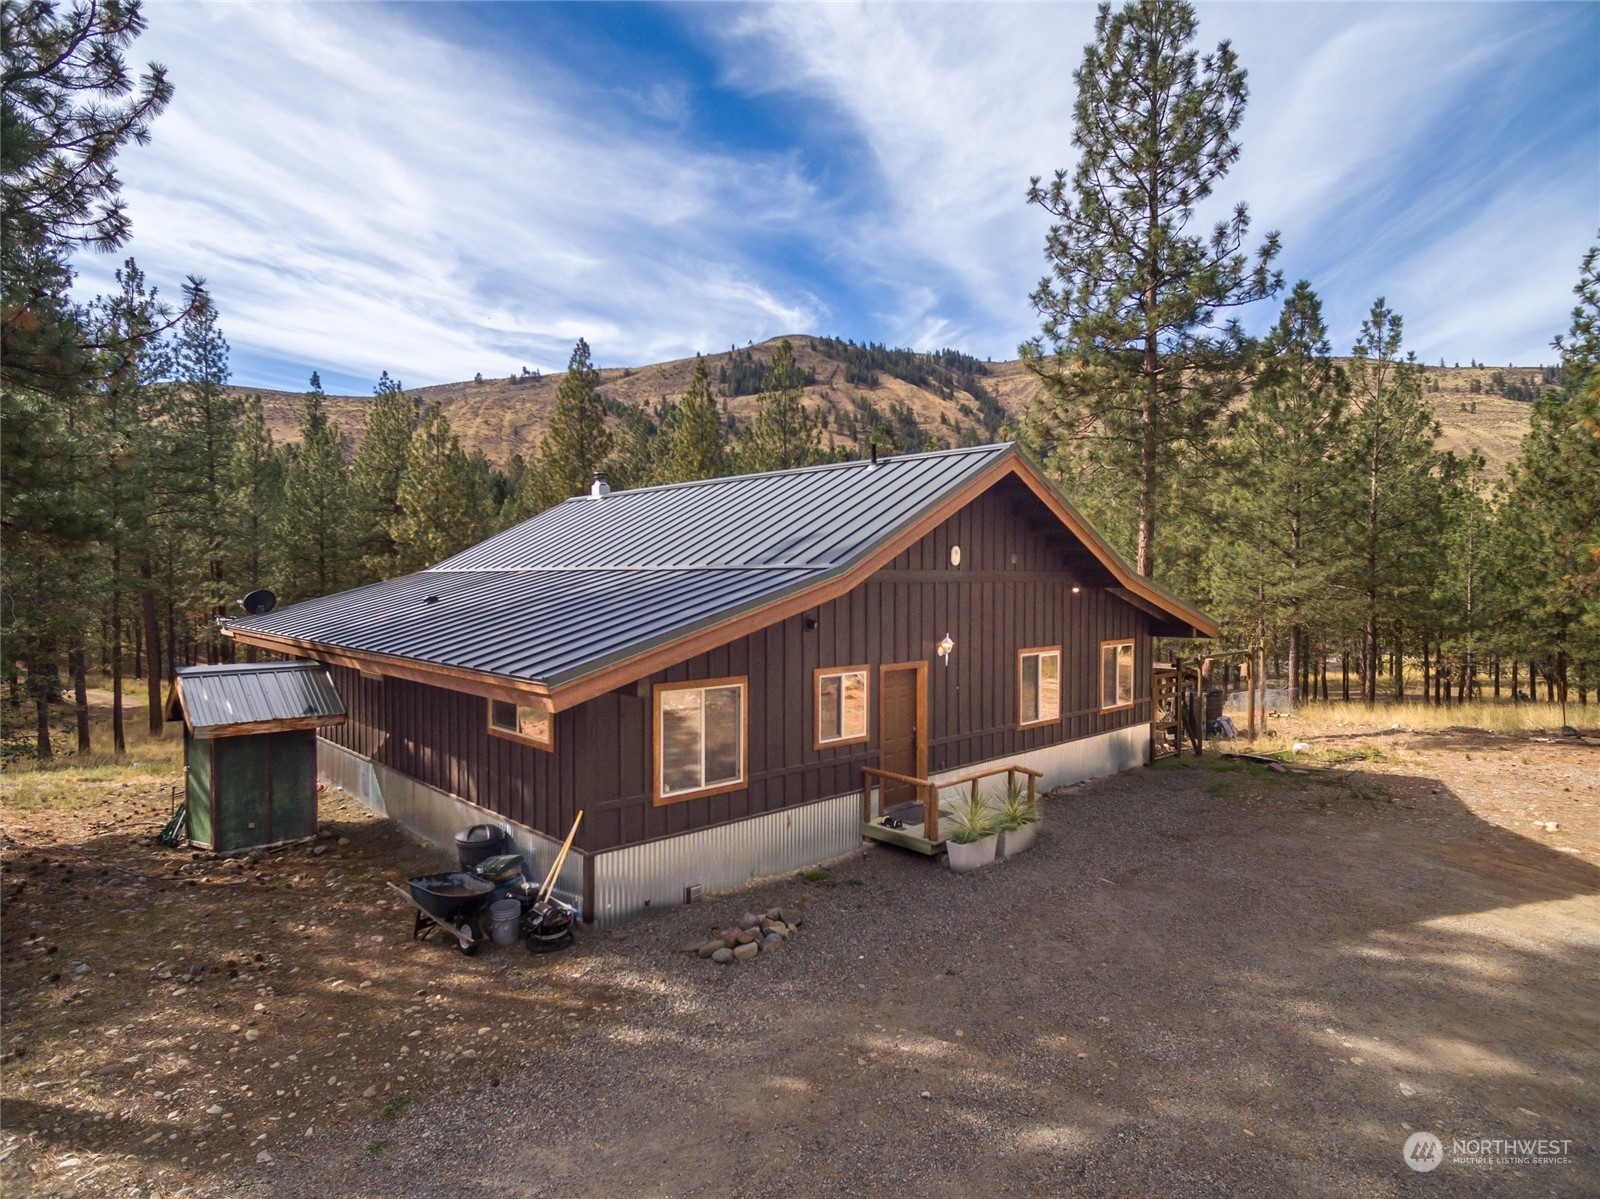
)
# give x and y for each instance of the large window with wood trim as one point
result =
(1039, 685)
(1116, 675)
(841, 705)
(700, 736)
(522, 722)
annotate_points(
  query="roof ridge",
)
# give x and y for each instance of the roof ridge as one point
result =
(800, 470)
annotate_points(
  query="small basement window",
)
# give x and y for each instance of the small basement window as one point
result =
(841, 705)
(522, 722)
(1116, 675)
(700, 739)
(1039, 686)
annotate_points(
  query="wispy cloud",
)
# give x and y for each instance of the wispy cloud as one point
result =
(408, 188)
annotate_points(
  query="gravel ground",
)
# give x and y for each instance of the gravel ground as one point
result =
(1207, 979)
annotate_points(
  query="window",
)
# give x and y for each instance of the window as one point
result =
(841, 705)
(700, 739)
(1039, 685)
(522, 722)
(1116, 675)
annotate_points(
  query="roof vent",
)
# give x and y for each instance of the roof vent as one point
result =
(600, 487)
(874, 454)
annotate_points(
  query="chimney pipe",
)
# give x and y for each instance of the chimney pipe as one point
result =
(600, 486)
(874, 453)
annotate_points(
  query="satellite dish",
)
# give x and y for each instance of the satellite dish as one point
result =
(258, 603)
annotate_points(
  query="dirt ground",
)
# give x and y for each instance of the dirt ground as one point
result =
(1208, 979)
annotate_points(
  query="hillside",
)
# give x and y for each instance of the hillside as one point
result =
(504, 416)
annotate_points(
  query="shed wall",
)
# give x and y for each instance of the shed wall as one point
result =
(1011, 591)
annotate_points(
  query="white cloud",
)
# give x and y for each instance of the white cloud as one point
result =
(362, 194)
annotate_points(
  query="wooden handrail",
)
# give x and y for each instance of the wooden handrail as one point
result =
(930, 790)
(893, 777)
(983, 774)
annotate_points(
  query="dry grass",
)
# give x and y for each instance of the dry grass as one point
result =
(71, 781)
(1504, 717)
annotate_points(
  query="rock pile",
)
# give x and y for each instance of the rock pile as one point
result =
(752, 935)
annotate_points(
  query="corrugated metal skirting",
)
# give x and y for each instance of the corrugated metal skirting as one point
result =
(437, 816)
(639, 878)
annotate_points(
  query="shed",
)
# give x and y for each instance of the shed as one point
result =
(250, 749)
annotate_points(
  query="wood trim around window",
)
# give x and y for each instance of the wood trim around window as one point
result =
(549, 744)
(739, 784)
(1042, 721)
(1100, 675)
(817, 743)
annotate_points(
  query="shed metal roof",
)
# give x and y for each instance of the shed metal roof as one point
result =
(253, 697)
(594, 582)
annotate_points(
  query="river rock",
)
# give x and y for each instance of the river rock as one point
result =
(745, 952)
(723, 956)
(709, 949)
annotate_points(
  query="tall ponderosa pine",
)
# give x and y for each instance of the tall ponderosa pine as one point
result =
(577, 442)
(314, 529)
(695, 448)
(375, 475)
(255, 499)
(440, 501)
(209, 412)
(783, 433)
(1396, 501)
(1281, 510)
(1139, 361)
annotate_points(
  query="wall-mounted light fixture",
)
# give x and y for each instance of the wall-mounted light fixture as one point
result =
(1076, 589)
(810, 622)
(946, 648)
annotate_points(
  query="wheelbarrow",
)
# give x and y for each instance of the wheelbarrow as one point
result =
(452, 901)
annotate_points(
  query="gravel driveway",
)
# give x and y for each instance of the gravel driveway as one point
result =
(1205, 980)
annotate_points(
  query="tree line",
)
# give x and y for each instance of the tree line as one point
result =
(1305, 503)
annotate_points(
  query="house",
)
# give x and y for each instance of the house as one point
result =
(704, 669)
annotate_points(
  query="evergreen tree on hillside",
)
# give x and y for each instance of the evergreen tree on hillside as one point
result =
(1281, 514)
(577, 442)
(314, 528)
(1395, 506)
(693, 432)
(375, 475)
(255, 500)
(782, 434)
(1139, 360)
(440, 503)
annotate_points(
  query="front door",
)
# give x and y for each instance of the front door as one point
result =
(900, 744)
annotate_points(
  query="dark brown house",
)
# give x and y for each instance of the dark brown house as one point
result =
(705, 668)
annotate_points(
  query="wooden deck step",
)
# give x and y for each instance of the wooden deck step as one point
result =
(910, 837)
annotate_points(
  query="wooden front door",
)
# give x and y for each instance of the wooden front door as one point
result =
(902, 746)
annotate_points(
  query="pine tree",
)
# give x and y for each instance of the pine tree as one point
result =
(1396, 502)
(440, 503)
(255, 499)
(577, 442)
(375, 476)
(1281, 514)
(695, 448)
(1140, 362)
(783, 434)
(314, 528)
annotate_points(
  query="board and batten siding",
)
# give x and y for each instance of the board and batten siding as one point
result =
(1011, 591)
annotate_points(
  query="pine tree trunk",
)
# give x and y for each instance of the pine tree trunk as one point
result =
(40, 678)
(1516, 685)
(1344, 673)
(152, 644)
(80, 695)
(1497, 677)
(1427, 675)
(1296, 667)
(119, 737)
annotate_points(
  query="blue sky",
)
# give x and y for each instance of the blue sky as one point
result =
(439, 189)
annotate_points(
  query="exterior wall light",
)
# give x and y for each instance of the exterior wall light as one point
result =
(946, 648)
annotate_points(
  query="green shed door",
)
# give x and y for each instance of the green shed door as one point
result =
(241, 784)
(197, 757)
(294, 784)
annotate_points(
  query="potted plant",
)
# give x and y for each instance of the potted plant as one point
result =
(1018, 819)
(973, 834)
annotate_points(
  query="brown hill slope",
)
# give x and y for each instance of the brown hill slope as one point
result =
(503, 417)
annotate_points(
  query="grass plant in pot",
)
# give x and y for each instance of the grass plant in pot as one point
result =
(1018, 819)
(973, 834)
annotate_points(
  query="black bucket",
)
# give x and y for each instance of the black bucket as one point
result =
(481, 841)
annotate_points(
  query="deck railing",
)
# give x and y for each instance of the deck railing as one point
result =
(928, 791)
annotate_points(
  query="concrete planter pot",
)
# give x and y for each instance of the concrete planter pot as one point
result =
(971, 855)
(1015, 840)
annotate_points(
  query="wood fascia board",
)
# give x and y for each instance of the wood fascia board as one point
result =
(451, 678)
(174, 704)
(253, 727)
